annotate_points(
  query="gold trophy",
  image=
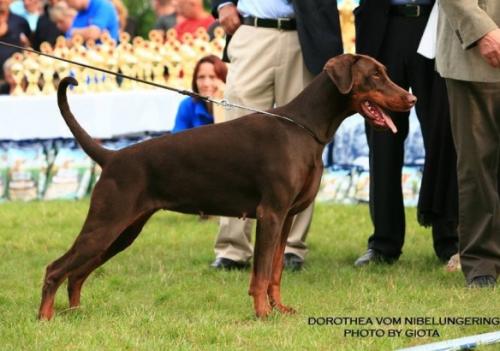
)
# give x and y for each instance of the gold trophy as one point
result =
(201, 42)
(17, 70)
(78, 53)
(127, 62)
(95, 59)
(173, 61)
(189, 57)
(109, 54)
(32, 71)
(61, 48)
(172, 58)
(218, 42)
(63, 69)
(81, 73)
(158, 67)
(111, 64)
(158, 55)
(171, 36)
(146, 56)
(47, 67)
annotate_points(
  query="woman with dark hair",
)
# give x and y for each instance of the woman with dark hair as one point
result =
(208, 78)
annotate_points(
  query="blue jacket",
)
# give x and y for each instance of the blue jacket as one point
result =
(191, 113)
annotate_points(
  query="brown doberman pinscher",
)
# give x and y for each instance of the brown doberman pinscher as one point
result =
(256, 166)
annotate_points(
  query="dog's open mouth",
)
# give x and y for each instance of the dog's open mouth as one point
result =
(377, 116)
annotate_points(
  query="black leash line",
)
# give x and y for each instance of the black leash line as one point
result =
(222, 102)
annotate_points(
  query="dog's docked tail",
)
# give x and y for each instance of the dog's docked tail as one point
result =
(89, 145)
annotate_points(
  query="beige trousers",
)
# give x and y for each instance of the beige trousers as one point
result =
(266, 70)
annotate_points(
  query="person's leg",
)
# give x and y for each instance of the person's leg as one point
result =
(445, 238)
(386, 155)
(250, 82)
(291, 78)
(386, 194)
(438, 197)
(403, 36)
(233, 241)
(296, 243)
(475, 121)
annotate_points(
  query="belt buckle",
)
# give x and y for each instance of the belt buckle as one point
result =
(416, 8)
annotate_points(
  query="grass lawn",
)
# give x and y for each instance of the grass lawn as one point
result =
(160, 294)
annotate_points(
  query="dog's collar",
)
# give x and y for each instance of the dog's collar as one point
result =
(307, 129)
(227, 105)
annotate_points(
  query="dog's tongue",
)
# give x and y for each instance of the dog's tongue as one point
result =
(389, 122)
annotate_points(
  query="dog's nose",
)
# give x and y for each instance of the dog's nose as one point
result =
(412, 99)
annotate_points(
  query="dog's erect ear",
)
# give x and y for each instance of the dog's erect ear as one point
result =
(339, 69)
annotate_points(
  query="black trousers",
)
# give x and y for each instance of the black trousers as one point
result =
(438, 195)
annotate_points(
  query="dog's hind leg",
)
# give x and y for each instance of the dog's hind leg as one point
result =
(77, 277)
(273, 290)
(88, 249)
(54, 276)
(58, 270)
(110, 214)
(269, 225)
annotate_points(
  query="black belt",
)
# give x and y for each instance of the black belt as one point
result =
(410, 10)
(279, 23)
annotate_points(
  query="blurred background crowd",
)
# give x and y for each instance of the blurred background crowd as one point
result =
(159, 40)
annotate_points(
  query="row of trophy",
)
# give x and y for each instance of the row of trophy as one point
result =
(161, 59)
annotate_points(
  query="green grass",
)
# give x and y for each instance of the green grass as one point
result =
(160, 294)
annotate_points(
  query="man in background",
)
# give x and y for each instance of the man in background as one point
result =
(276, 49)
(46, 28)
(468, 56)
(194, 16)
(13, 30)
(93, 18)
(166, 15)
(390, 31)
(31, 10)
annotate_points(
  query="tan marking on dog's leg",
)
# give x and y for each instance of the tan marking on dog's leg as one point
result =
(273, 290)
(269, 225)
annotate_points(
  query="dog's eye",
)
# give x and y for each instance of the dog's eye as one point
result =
(376, 75)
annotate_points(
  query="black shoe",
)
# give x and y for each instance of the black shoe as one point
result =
(483, 281)
(227, 264)
(292, 262)
(373, 256)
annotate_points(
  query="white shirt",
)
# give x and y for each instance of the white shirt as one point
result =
(266, 8)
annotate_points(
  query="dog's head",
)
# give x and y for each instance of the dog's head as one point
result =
(371, 91)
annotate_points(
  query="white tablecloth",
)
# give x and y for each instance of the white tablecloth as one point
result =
(102, 115)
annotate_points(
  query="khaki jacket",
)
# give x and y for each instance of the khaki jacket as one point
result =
(461, 23)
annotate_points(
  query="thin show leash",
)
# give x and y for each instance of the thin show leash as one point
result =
(221, 102)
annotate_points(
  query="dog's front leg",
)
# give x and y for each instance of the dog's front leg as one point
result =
(269, 226)
(273, 290)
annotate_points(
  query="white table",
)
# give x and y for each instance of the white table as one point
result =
(102, 115)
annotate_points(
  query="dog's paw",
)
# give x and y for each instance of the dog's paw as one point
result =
(45, 315)
(263, 313)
